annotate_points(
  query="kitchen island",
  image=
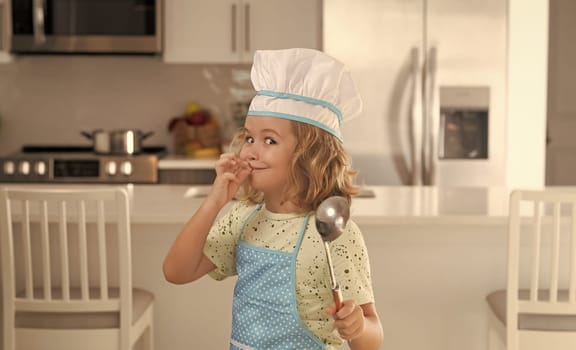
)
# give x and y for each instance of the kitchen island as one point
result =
(435, 253)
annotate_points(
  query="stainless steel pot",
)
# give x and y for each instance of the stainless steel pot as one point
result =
(125, 141)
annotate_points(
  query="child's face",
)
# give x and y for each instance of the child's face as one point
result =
(268, 148)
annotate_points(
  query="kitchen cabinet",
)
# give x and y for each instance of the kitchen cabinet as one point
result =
(4, 30)
(229, 31)
(182, 170)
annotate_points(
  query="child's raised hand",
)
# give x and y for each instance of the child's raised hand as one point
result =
(349, 320)
(231, 171)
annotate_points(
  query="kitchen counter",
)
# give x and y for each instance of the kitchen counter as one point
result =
(175, 203)
(435, 253)
(183, 162)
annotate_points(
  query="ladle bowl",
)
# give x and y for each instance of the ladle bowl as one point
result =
(331, 218)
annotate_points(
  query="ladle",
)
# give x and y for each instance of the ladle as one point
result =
(331, 218)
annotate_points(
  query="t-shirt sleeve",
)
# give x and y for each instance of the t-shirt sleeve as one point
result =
(352, 265)
(220, 246)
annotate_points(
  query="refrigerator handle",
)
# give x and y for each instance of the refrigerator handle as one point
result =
(432, 117)
(416, 110)
(38, 19)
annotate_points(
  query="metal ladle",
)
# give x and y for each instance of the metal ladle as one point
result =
(331, 218)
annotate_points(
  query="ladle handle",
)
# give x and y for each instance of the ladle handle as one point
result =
(337, 296)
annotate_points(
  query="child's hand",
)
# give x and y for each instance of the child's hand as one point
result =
(231, 171)
(349, 320)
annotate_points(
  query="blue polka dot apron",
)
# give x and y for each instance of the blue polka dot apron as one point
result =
(265, 315)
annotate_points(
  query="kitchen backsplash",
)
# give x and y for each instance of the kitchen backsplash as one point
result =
(50, 99)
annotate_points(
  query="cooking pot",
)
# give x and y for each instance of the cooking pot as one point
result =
(125, 141)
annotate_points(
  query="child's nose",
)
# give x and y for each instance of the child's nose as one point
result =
(251, 152)
(252, 156)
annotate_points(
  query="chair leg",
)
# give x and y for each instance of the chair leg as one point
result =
(148, 338)
(149, 333)
(494, 341)
(9, 342)
(495, 330)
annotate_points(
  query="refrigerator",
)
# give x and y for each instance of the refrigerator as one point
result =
(432, 74)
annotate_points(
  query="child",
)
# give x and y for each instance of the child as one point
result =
(289, 158)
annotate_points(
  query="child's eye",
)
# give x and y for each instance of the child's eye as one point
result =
(249, 139)
(269, 141)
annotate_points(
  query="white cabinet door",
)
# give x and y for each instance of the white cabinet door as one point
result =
(201, 31)
(273, 24)
(229, 31)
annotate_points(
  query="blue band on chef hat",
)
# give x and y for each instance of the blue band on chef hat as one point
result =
(295, 118)
(314, 101)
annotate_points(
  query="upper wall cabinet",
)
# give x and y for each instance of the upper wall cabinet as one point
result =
(229, 31)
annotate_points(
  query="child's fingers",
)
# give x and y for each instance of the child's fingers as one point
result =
(230, 162)
(243, 173)
(349, 319)
(345, 309)
(349, 330)
(331, 310)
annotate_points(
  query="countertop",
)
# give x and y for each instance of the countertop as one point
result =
(390, 205)
(183, 162)
(174, 204)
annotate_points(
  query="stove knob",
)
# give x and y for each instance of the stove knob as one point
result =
(111, 168)
(9, 168)
(24, 167)
(40, 168)
(126, 168)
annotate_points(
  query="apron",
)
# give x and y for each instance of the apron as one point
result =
(265, 315)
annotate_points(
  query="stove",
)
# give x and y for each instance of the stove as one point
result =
(79, 164)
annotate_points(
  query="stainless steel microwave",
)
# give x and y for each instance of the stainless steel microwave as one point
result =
(87, 26)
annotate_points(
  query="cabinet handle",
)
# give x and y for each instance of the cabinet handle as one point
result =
(247, 27)
(233, 27)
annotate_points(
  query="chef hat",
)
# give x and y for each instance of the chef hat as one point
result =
(304, 85)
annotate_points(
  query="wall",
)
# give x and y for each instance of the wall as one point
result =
(50, 99)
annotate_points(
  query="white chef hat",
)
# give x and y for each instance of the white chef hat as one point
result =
(304, 85)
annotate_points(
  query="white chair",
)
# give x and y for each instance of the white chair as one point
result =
(66, 269)
(537, 310)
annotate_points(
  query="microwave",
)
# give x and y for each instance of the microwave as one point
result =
(86, 26)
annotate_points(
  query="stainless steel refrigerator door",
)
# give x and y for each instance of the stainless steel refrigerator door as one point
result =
(381, 42)
(399, 52)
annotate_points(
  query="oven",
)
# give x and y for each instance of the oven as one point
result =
(79, 164)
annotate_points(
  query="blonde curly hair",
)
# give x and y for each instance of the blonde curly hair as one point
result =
(320, 168)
